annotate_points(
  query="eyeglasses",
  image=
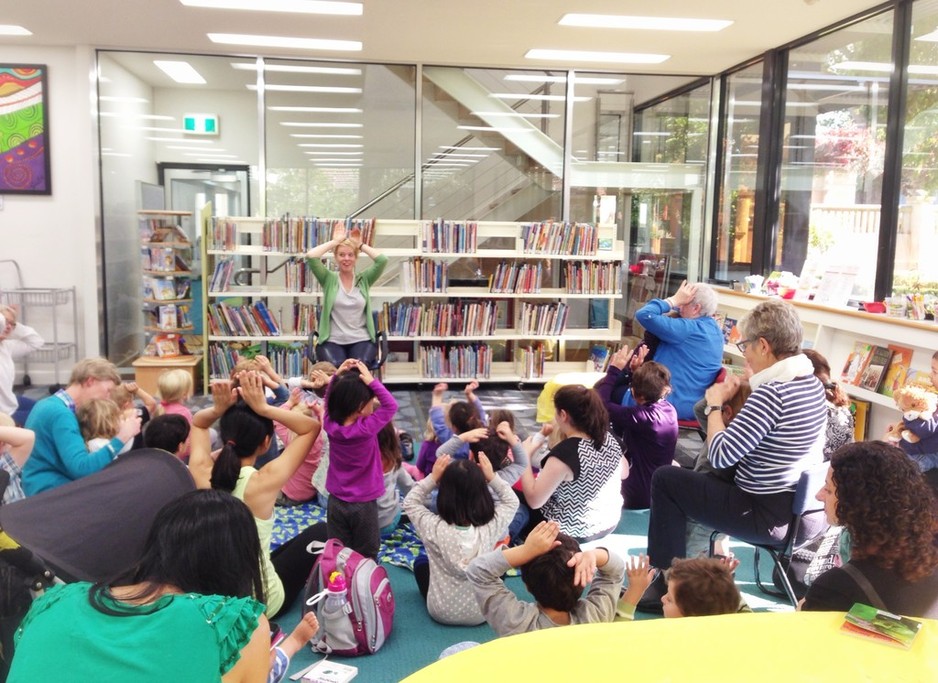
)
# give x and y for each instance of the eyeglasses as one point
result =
(744, 344)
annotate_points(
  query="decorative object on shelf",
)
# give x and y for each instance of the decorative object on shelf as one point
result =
(25, 164)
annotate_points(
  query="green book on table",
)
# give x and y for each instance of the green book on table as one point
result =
(876, 624)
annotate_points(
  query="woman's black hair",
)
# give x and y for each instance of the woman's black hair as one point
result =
(496, 450)
(242, 432)
(347, 394)
(463, 416)
(203, 542)
(586, 411)
(464, 497)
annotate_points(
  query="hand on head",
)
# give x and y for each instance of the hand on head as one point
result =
(640, 355)
(485, 465)
(504, 431)
(620, 357)
(721, 392)
(684, 294)
(543, 538)
(251, 389)
(441, 464)
(223, 395)
(474, 435)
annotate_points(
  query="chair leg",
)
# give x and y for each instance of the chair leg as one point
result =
(776, 556)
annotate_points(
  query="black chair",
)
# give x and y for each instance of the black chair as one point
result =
(807, 523)
(314, 354)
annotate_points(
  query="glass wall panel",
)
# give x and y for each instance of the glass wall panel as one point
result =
(916, 268)
(833, 146)
(733, 230)
(339, 139)
(492, 146)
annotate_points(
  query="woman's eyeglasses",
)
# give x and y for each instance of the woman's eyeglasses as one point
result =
(744, 344)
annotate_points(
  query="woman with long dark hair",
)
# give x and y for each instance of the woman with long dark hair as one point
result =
(879, 496)
(190, 610)
(579, 485)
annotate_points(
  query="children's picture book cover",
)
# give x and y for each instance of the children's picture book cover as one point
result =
(856, 363)
(875, 368)
(729, 330)
(876, 624)
(599, 357)
(861, 418)
(919, 378)
(897, 370)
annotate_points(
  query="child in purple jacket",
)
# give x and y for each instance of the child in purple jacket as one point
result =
(648, 429)
(357, 407)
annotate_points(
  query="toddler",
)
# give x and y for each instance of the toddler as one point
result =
(554, 570)
(16, 444)
(123, 395)
(99, 420)
(355, 479)
(397, 481)
(299, 488)
(175, 387)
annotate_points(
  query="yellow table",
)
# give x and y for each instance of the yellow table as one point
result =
(788, 647)
(545, 400)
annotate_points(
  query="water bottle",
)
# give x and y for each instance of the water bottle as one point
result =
(336, 593)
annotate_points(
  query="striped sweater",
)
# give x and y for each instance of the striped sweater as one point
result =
(775, 437)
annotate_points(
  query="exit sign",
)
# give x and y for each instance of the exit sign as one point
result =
(200, 124)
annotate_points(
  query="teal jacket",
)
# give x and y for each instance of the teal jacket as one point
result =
(329, 280)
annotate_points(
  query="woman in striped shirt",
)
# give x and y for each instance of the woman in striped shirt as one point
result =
(777, 435)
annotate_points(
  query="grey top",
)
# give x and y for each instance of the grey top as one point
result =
(397, 483)
(450, 548)
(508, 615)
(348, 317)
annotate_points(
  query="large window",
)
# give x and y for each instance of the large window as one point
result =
(833, 148)
(916, 268)
(740, 145)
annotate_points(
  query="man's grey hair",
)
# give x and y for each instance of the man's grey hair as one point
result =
(706, 298)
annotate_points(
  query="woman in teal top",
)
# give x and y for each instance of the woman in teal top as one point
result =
(189, 611)
(346, 327)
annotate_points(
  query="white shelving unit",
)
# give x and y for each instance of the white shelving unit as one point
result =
(262, 270)
(165, 261)
(834, 332)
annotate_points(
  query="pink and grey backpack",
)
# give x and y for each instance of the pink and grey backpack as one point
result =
(362, 625)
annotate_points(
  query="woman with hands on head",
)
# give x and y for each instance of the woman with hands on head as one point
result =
(474, 508)
(346, 327)
(246, 429)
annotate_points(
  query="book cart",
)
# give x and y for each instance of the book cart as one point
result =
(507, 320)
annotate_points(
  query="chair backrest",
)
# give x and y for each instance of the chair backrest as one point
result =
(811, 481)
(314, 355)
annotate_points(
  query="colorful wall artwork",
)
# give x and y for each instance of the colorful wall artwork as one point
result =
(24, 130)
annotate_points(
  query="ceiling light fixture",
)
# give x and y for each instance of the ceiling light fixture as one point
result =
(291, 6)
(275, 87)
(595, 56)
(330, 153)
(181, 72)
(121, 98)
(585, 80)
(285, 42)
(498, 129)
(643, 23)
(335, 136)
(147, 117)
(470, 149)
(319, 110)
(515, 114)
(336, 145)
(192, 149)
(14, 30)
(307, 124)
(294, 69)
(535, 96)
(186, 140)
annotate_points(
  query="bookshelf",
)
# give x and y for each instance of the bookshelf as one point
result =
(834, 332)
(494, 301)
(165, 261)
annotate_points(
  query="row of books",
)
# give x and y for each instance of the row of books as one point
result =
(170, 317)
(290, 234)
(440, 236)
(424, 275)
(559, 238)
(727, 324)
(516, 278)
(288, 360)
(543, 319)
(305, 317)
(530, 360)
(298, 277)
(592, 277)
(223, 357)
(165, 288)
(162, 259)
(159, 230)
(245, 320)
(882, 369)
(458, 360)
(437, 319)
(221, 275)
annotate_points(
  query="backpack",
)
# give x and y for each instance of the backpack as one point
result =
(362, 626)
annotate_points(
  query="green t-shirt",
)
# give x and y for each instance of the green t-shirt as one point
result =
(178, 638)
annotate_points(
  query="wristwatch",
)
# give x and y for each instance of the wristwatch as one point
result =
(710, 409)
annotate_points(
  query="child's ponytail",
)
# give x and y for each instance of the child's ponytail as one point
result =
(463, 417)
(586, 410)
(242, 432)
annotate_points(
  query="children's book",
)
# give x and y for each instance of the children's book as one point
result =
(876, 624)
(325, 671)
(897, 370)
(599, 357)
(861, 418)
(919, 378)
(875, 368)
(856, 363)
(729, 329)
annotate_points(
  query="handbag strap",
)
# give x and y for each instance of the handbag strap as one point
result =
(864, 583)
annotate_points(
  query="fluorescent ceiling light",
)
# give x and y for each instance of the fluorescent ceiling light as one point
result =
(471, 149)
(450, 155)
(14, 30)
(186, 140)
(929, 37)
(885, 67)
(307, 124)
(308, 88)
(292, 6)
(121, 98)
(321, 110)
(585, 80)
(499, 129)
(147, 117)
(114, 154)
(515, 114)
(535, 96)
(192, 149)
(181, 72)
(336, 145)
(295, 69)
(643, 23)
(344, 162)
(333, 164)
(595, 56)
(337, 136)
(220, 162)
(286, 42)
(158, 129)
(348, 154)
(220, 157)
(827, 86)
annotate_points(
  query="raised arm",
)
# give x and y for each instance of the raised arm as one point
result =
(200, 446)
(520, 461)
(148, 401)
(20, 442)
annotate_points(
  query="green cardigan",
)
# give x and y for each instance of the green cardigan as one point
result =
(329, 280)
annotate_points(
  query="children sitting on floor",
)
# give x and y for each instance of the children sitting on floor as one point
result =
(451, 418)
(123, 395)
(282, 652)
(469, 523)
(299, 488)
(554, 570)
(169, 432)
(99, 420)
(397, 480)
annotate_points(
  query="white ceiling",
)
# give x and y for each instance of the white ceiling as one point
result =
(494, 33)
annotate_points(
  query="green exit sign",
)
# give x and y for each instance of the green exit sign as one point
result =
(200, 124)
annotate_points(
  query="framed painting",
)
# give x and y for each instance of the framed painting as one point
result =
(24, 130)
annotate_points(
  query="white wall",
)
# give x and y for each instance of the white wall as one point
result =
(54, 238)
